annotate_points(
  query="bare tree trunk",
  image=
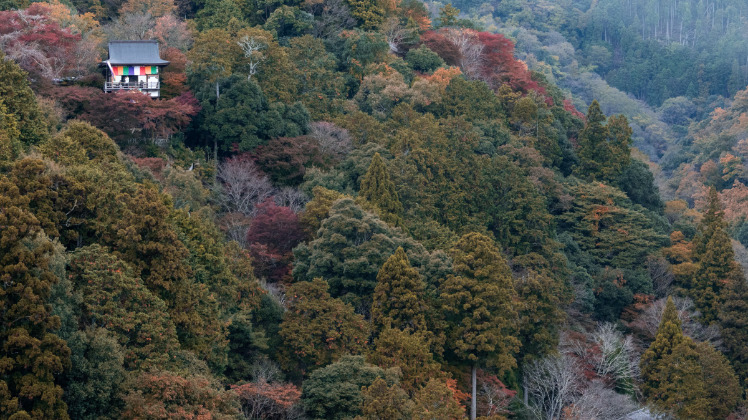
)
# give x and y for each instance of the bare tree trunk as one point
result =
(473, 402)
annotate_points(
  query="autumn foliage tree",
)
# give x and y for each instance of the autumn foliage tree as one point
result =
(274, 232)
(36, 41)
(267, 400)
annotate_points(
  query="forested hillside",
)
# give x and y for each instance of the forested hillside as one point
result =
(361, 209)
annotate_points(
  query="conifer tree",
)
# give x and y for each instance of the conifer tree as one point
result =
(378, 190)
(399, 296)
(722, 388)
(10, 144)
(593, 150)
(384, 402)
(680, 386)
(733, 320)
(477, 301)
(715, 260)
(603, 146)
(31, 355)
(20, 102)
(409, 352)
(669, 335)
(317, 329)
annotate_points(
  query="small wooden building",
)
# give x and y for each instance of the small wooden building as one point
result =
(133, 65)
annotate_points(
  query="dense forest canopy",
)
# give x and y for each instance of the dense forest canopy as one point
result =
(365, 209)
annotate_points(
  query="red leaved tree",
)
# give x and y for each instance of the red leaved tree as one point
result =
(268, 401)
(40, 46)
(493, 396)
(127, 116)
(274, 232)
(483, 56)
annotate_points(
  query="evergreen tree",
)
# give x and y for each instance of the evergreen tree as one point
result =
(603, 146)
(619, 138)
(680, 386)
(317, 329)
(399, 296)
(335, 391)
(350, 248)
(715, 260)
(97, 376)
(385, 402)
(669, 335)
(378, 191)
(721, 385)
(478, 305)
(733, 320)
(20, 102)
(593, 150)
(31, 355)
(318, 208)
(10, 142)
(410, 353)
(437, 401)
(111, 297)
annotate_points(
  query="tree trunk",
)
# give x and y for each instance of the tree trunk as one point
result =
(473, 402)
(215, 161)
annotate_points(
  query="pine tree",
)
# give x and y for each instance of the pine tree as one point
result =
(399, 296)
(378, 191)
(31, 355)
(715, 260)
(478, 305)
(733, 320)
(669, 335)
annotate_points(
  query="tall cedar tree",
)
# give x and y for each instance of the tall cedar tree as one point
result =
(669, 335)
(715, 260)
(722, 387)
(379, 191)
(317, 329)
(692, 380)
(20, 102)
(696, 382)
(31, 355)
(111, 296)
(10, 142)
(478, 305)
(399, 296)
(680, 387)
(603, 148)
(733, 320)
(409, 352)
(384, 402)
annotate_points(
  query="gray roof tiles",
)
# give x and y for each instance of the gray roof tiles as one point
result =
(135, 53)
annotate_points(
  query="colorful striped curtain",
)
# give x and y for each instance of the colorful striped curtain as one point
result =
(134, 70)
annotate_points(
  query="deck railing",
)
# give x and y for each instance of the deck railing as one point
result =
(111, 86)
